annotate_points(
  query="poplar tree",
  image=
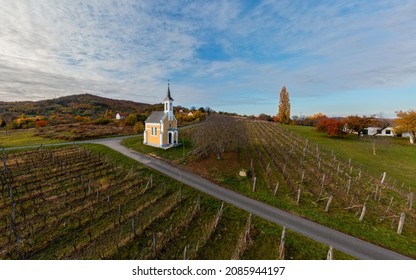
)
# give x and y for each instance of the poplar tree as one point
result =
(284, 106)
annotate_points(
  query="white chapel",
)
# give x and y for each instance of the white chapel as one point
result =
(161, 127)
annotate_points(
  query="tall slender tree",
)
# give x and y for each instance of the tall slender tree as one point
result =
(284, 106)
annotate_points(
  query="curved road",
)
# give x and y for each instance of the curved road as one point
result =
(340, 241)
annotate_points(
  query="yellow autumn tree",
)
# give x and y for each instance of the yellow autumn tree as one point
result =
(317, 116)
(284, 106)
(406, 123)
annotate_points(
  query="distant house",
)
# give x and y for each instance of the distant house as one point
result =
(161, 127)
(190, 114)
(120, 116)
(388, 131)
(379, 131)
(404, 134)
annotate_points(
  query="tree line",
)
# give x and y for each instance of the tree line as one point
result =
(337, 127)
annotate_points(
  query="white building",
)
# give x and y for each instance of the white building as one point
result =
(388, 131)
(119, 116)
(161, 127)
(378, 131)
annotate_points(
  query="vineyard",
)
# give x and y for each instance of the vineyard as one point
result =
(79, 203)
(315, 183)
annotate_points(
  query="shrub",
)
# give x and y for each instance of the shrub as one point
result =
(130, 120)
(332, 127)
(138, 127)
(41, 123)
(102, 121)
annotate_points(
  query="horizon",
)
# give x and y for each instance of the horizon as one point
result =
(204, 107)
(355, 58)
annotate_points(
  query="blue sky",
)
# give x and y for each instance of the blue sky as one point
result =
(335, 57)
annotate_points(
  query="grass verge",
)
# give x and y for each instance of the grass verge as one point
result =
(24, 137)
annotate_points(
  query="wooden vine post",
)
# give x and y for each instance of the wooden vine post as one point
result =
(330, 254)
(364, 209)
(282, 245)
(328, 203)
(276, 188)
(349, 186)
(298, 195)
(401, 223)
(185, 253)
(154, 244)
(383, 177)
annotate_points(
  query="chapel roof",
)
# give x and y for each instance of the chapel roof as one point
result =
(155, 117)
(168, 97)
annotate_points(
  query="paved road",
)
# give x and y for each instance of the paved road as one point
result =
(343, 242)
(96, 141)
(340, 241)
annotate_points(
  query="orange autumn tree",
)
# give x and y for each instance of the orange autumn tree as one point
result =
(406, 122)
(313, 120)
(359, 124)
(332, 127)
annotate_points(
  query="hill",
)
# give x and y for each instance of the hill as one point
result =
(76, 105)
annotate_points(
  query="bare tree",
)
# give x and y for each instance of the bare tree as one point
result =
(382, 123)
(217, 135)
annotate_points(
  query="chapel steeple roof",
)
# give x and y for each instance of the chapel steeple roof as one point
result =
(168, 97)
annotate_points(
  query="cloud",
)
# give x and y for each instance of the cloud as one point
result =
(322, 48)
(69, 47)
(128, 49)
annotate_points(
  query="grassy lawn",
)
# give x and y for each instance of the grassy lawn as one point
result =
(24, 137)
(211, 168)
(176, 154)
(393, 155)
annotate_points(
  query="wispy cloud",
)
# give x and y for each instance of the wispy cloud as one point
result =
(218, 53)
(320, 49)
(70, 47)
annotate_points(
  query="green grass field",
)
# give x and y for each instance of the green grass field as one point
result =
(393, 155)
(24, 137)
